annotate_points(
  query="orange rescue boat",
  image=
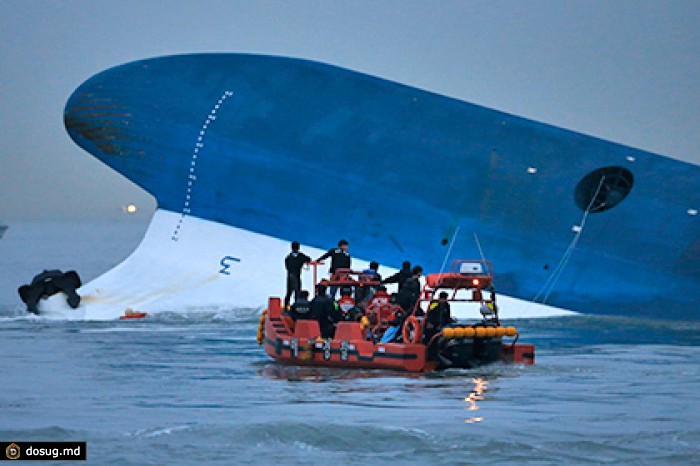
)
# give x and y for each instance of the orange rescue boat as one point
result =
(358, 344)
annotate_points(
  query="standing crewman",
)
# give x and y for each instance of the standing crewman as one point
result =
(293, 263)
(410, 292)
(401, 276)
(340, 259)
(439, 316)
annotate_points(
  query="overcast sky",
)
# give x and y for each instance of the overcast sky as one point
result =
(628, 71)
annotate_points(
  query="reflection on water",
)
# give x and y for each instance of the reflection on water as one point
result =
(477, 394)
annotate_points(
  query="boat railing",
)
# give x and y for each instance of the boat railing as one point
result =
(344, 277)
(470, 276)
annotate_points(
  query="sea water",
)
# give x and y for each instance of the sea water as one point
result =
(195, 388)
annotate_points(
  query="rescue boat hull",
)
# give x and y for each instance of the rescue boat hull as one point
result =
(349, 354)
(299, 343)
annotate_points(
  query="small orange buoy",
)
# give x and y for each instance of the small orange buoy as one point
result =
(131, 314)
(136, 315)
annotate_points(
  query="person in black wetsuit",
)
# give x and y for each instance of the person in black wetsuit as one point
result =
(401, 276)
(293, 263)
(324, 311)
(410, 291)
(340, 259)
(439, 316)
(301, 309)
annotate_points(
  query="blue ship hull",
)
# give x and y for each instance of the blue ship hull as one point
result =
(305, 151)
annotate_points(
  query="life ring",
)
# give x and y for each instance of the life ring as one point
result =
(412, 330)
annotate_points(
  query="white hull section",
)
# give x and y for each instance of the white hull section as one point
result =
(212, 266)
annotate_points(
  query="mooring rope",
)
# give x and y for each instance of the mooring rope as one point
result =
(556, 274)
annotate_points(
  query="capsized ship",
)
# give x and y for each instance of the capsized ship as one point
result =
(244, 153)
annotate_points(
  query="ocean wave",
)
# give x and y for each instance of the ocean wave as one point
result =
(48, 433)
(158, 431)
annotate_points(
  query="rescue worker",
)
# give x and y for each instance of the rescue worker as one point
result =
(489, 312)
(396, 321)
(439, 316)
(373, 271)
(323, 310)
(401, 276)
(340, 259)
(346, 301)
(293, 263)
(347, 306)
(364, 293)
(301, 309)
(410, 291)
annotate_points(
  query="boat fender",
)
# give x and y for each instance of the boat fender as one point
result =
(412, 330)
(364, 323)
(307, 351)
(469, 332)
(327, 349)
(261, 328)
(511, 331)
(448, 332)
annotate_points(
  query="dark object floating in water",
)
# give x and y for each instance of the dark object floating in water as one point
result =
(48, 283)
(3, 229)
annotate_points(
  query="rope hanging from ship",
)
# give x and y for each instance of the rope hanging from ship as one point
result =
(556, 274)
